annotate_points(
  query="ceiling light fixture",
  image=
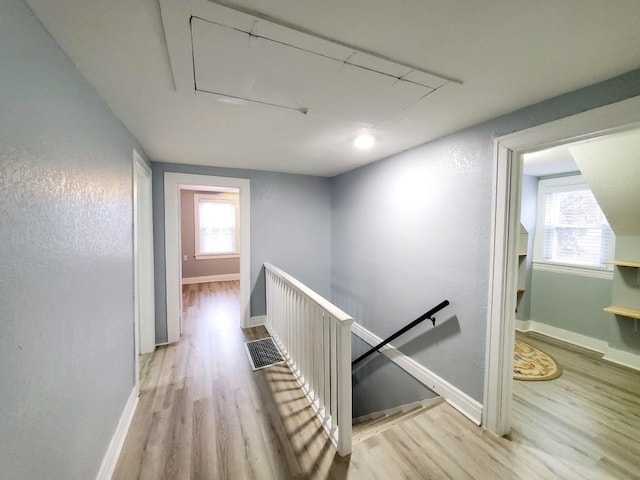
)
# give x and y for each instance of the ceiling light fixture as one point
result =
(364, 141)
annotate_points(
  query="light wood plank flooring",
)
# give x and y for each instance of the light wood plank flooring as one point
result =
(203, 414)
(589, 416)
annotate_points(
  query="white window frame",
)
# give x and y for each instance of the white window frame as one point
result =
(546, 185)
(215, 198)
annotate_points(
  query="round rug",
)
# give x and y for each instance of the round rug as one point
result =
(530, 363)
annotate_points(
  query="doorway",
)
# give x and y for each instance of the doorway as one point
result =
(504, 238)
(173, 183)
(210, 230)
(144, 309)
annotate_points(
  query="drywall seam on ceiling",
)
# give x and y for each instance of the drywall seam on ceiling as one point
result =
(404, 77)
(269, 65)
(280, 23)
(179, 36)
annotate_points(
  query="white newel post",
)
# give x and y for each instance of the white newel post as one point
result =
(344, 385)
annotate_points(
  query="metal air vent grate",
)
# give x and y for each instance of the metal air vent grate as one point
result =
(263, 353)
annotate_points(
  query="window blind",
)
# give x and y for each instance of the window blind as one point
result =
(575, 229)
(217, 227)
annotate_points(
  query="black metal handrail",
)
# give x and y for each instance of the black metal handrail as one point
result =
(428, 315)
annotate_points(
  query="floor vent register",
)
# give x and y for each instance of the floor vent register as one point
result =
(263, 353)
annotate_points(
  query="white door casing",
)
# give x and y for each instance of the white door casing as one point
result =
(507, 181)
(144, 307)
(173, 255)
(143, 233)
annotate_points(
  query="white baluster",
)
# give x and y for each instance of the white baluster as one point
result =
(306, 341)
(334, 373)
(315, 337)
(287, 319)
(299, 334)
(344, 388)
(326, 364)
(315, 346)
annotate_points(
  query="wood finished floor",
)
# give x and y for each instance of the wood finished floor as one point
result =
(589, 416)
(203, 414)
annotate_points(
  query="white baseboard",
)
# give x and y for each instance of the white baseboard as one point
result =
(257, 321)
(470, 408)
(567, 336)
(110, 458)
(523, 325)
(613, 355)
(227, 277)
(626, 359)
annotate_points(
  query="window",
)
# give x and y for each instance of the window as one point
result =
(571, 228)
(216, 224)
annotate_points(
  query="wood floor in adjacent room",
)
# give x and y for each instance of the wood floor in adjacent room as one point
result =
(203, 414)
(589, 416)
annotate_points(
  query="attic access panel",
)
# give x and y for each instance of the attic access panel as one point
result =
(232, 63)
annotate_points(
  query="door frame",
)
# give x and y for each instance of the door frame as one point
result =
(143, 279)
(173, 252)
(505, 220)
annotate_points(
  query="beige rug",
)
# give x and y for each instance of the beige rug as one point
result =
(531, 363)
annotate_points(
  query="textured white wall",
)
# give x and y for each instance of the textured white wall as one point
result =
(66, 266)
(413, 229)
(409, 232)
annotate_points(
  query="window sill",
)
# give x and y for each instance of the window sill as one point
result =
(582, 271)
(208, 256)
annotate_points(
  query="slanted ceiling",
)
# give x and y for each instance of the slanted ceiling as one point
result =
(240, 58)
(611, 167)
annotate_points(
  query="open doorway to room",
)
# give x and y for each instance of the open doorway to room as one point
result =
(210, 242)
(564, 238)
(575, 199)
(210, 234)
(215, 248)
(503, 282)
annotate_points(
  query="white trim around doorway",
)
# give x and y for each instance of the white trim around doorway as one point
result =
(507, 179)
(143, 285)
(172, 183)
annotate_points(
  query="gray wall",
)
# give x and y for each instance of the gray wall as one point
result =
(203, 267)
(379, 384)
(528, 212)
(413, 229)
(290, 227)
(624, 333)
(66, 284)
(575, 302)
(562, 300)
(571, 302)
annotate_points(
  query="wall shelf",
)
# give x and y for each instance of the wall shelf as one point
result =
(627, 264)
(623, 311)
(622, 263)
(523, 247)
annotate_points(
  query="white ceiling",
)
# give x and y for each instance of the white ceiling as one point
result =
(615, 153)
(611, 167)
(243, 68)
(551, 161)
(506, 53)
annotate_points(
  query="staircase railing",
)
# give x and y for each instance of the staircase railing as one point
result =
(315, 337)
(428, 315)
